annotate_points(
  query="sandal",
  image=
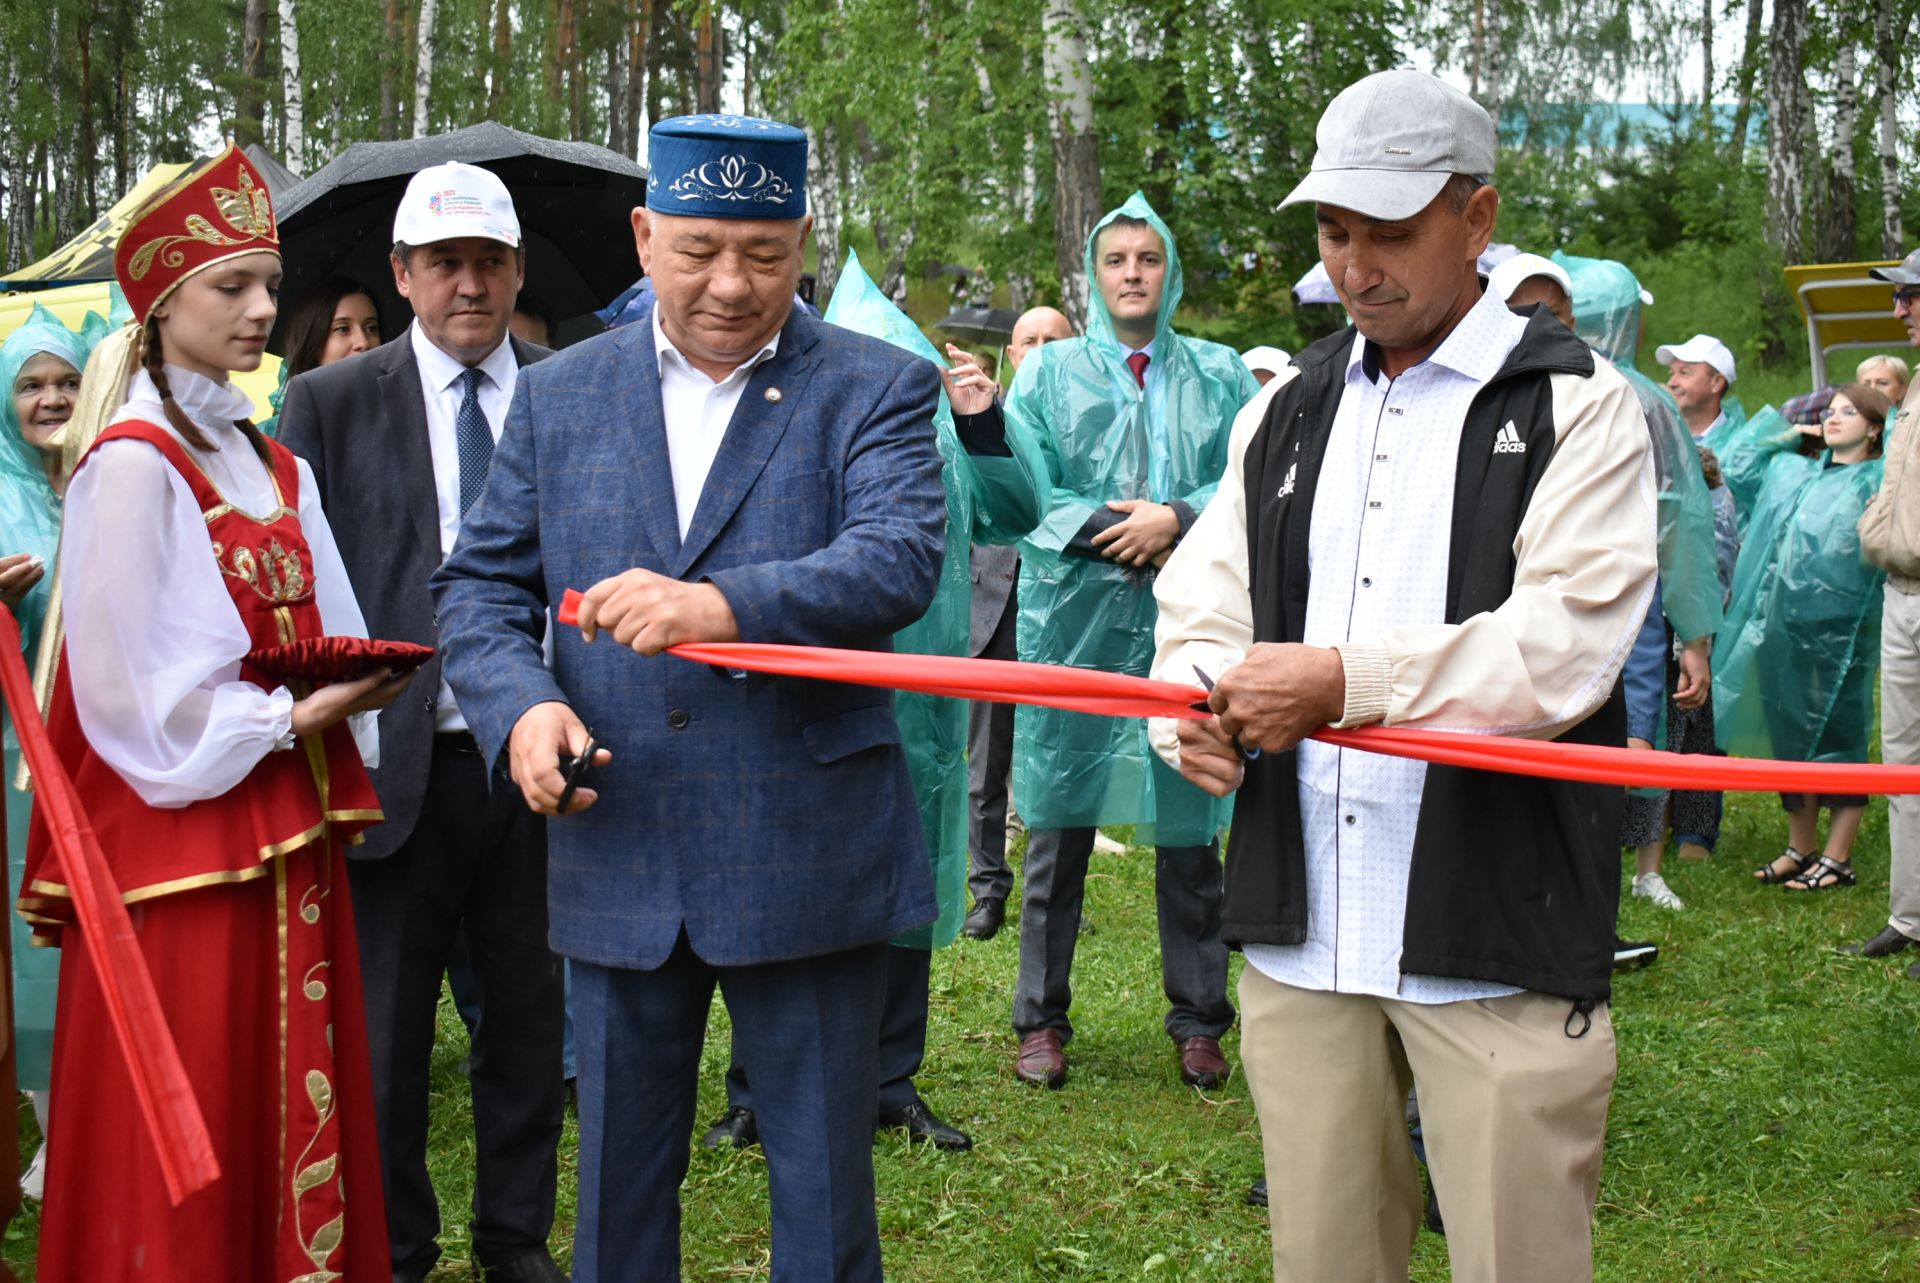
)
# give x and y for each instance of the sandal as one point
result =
(1814, 876)
(1801, 863)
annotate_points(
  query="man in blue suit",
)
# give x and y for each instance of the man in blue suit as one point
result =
(731, 470)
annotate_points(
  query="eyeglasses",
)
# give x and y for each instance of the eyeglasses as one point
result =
(1843, 412)
(1906, 296)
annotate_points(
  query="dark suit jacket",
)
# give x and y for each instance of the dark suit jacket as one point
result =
(768, 818)
(995, 567)
(361, 424)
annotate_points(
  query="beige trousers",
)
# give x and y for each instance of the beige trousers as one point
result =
(1514, 1112)
(1900, 742)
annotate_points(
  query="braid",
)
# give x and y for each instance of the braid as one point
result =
(154, 363)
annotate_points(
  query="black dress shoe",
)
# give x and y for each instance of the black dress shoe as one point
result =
(736, 1126)
(1628, 954)
(984, 922)
(923, 1124)
(536, 1266)
(1913, 972)
(1257, 1196)
(1890, 941)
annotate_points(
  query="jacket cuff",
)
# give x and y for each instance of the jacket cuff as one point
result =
(984, 433)
(1183, 511)
(1369, 673)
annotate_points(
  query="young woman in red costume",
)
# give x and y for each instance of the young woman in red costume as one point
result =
(220, 791)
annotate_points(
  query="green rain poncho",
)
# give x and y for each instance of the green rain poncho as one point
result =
(1794, 669)
(30, 522)
(1606, 314)
(989, 500)
(1106, 439)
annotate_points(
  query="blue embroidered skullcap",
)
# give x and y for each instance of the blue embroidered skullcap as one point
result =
(724, 166)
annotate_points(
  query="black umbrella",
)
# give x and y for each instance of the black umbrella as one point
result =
(981, 324)
(573, 199)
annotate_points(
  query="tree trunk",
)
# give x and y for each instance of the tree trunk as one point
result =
(423, 67)
(122, 40)
(64, 181)
(823, 200)
(389, 124)
(1786, 130)
(1076, 153)
(706, 66)
(293, 92)
(617, 94)
(502, 59)
(1893, 236)
(1837, 222)
(576, 86)
(1749, 68)
(250, 103)
(1706, 70)
(639, 25)
(19, 235)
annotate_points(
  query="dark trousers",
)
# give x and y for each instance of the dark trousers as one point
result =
(989, 758)
(1193, 956)
(478, 860)
(805, 1031)
(903, 1033)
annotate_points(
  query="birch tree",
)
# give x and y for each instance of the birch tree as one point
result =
(1836, 233)
(1887, 67)
(292, 93)
(1786, 128)
(1076, 153)
(423, 66)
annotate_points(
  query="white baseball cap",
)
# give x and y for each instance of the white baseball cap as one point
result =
(1271, 359)
(452, 201)
(1703, 349)
(1505, 278)
(1389, 142)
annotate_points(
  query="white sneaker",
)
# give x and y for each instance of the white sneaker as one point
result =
(1651, 886)
(33, 1182)
(1106, 845)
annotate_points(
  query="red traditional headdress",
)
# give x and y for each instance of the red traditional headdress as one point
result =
(220, 212)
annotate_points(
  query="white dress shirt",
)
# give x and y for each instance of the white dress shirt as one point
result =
(443, 390)
(697, 411)
(154, 642)
(1378, 553)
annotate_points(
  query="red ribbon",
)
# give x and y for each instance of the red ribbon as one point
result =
(166, 1098)
(1085, 690)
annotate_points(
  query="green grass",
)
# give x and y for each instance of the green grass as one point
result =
(1763, 1126)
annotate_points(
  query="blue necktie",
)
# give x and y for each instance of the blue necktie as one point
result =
(475, 440)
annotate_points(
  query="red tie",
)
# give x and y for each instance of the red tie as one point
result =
(1137, 362)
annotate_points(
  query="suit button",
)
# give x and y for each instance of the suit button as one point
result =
(429, 703)
(678, 719)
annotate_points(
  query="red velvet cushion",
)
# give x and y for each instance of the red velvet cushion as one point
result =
(333, 659)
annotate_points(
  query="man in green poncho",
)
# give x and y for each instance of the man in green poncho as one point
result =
(1133, 419)
(1689, 602)
(996, 484)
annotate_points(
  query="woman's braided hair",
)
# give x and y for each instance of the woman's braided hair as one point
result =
(154, 363)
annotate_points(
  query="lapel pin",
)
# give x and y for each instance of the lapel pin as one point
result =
(773, 396)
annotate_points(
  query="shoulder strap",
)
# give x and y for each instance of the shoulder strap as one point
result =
(163, 441)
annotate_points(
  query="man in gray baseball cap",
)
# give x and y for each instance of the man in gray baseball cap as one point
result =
(1473, 491)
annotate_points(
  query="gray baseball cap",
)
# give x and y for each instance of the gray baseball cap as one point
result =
(1389, 142)
(1908, 273)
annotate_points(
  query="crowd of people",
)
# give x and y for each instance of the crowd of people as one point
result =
(1467, 510)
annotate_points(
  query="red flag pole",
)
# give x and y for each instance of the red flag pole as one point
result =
(166, 1098)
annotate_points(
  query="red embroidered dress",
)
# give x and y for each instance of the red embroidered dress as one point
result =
(242, 909)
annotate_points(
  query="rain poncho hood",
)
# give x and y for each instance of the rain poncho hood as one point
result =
(1106, 438)
(1606, 316)
(29, 509)
(989, 500)
(1793, 673)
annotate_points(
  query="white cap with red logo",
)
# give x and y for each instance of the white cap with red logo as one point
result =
(453, 201)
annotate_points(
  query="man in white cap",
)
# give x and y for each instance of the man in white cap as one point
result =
(1527, 279)
(1471, 491)
(400, 439)
(1701, 371)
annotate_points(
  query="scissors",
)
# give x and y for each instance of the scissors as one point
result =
(1204, 706)
(575, 770)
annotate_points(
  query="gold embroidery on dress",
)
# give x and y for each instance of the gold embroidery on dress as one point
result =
(273, 572)
(246, 212)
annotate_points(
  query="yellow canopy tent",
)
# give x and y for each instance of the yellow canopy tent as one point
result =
(1844, 308)
(71, 303)
(89, 256)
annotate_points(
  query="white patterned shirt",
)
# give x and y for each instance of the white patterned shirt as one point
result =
(1378, 554)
